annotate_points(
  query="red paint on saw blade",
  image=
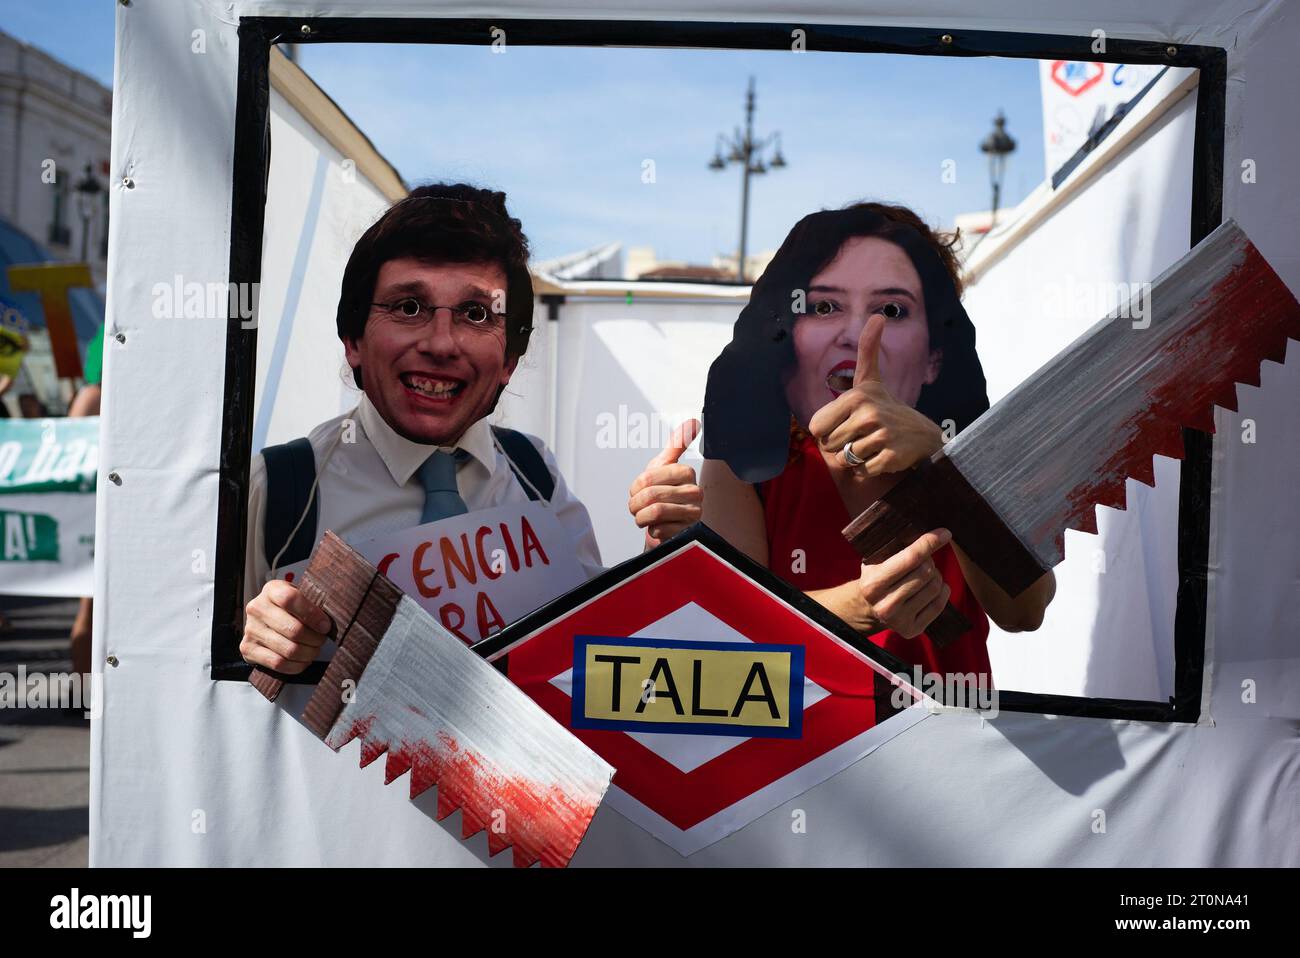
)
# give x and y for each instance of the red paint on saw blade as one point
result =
(1212, 364)
(542, 823)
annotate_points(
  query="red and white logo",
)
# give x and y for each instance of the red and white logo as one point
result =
(690, 788)
(1076, 76)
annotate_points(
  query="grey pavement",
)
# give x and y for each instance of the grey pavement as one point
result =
(44, 753)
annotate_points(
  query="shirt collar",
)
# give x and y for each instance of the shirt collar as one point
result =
(403, 457)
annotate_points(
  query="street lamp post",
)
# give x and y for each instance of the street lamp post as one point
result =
(998, 145)
(87, 190)
(742, 148)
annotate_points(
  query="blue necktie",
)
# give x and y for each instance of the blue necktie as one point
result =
(437, 475)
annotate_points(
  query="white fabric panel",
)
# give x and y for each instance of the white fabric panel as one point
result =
(185, 771)
(316, 211)
(1181, 21)
(640, 369)
(527, 402)
(160, 427)
(1109, 631)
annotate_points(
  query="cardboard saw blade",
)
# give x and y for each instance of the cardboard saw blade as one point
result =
(410, 690)
(1066, 439)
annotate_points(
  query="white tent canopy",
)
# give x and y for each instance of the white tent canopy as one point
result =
(187, 770)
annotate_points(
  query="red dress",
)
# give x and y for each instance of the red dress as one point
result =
(803, 510)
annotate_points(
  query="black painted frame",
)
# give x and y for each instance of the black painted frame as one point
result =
(248, 203)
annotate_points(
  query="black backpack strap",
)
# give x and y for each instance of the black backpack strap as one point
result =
(290, 472)
(526, 462)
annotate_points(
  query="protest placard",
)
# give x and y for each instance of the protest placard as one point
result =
(478, 572)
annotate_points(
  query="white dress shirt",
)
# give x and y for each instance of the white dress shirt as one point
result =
(368, 486)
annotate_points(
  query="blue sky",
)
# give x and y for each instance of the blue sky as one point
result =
(566, 132)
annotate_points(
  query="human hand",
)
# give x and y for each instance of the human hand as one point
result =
(888, 435)
(283, 631)
(906, 591)
(665, 498)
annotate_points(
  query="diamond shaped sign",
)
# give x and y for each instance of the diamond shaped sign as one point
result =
(716, 690)
(1076, 76)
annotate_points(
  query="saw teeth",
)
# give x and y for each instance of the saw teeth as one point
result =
(398, 765)
(470, 823)
(1169, 441)
(1227, 397)
(1113, 495)
(1145, 473)
(426, 772)
(496, 843)
(1277, 353)
(524, 858)
(422, 782)
(1202, 420)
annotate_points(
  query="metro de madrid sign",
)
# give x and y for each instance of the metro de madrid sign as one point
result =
(716, 690)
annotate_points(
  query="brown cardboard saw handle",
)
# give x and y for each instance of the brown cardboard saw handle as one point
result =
(339, 587)
(271, 683)
(882, 531)
(931, 495)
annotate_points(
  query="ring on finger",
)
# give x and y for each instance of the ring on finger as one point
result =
(850, 456)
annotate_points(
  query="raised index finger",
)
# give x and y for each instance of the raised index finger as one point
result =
(868, 364)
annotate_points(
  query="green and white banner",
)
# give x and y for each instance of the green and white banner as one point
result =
(47, 505)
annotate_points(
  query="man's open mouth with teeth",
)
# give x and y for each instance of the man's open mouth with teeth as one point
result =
(431, 387)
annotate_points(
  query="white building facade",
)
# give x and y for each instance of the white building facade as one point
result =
(54, 123)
